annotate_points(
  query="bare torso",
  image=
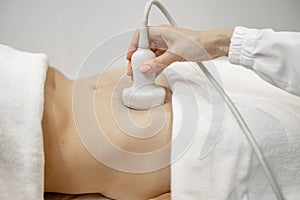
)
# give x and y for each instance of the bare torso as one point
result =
(70, 168)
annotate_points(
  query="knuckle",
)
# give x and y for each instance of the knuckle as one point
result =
(155, 64)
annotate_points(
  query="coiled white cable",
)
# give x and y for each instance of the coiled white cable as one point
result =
(247, 133)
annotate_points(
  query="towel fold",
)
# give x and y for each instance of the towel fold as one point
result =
(22, 79)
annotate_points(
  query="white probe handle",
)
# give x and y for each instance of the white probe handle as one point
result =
(138, 58)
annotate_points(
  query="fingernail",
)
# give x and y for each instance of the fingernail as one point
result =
(144, 68)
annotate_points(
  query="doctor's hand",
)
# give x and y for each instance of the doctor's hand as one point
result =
(171, 44)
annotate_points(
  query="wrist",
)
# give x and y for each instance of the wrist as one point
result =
(215, 42)
(222, 38)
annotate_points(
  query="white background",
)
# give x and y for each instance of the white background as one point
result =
(67, 30)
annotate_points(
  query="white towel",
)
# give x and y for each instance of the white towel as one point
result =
(229, 170)
(22, 78)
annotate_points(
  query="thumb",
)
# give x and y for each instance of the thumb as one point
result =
(159, 63)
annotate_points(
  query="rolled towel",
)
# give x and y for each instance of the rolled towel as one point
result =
(22, 79)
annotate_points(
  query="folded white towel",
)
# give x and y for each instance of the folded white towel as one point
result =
(22, 78)
(230, 170)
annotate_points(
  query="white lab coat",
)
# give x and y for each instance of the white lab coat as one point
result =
(274, 56)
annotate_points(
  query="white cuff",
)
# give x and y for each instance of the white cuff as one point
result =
(241, 46)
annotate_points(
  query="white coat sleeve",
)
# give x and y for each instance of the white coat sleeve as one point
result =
(274, 56)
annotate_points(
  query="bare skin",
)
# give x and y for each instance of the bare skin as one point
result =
(71, 169)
